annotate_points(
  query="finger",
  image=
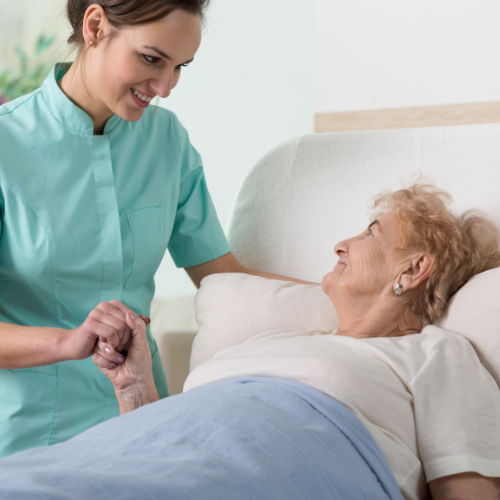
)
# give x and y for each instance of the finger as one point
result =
(129, 314)
(125, 348)
(105, 326)
(107, 334)
(145, 319)
(107, 352)
(103, 362)
(132, 324)
(132, 321)
(105, 348)
(139, 341)
(110, 315)
(122, 307)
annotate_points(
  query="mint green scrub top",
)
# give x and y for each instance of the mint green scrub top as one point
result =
(86, 219)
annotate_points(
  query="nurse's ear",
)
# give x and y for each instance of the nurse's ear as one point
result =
(95, 25)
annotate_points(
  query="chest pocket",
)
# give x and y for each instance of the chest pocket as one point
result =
(147, 227)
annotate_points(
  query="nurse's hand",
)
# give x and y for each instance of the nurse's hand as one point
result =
(105, 330)
(133, 379)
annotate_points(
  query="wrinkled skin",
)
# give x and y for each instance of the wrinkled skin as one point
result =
(361, 285)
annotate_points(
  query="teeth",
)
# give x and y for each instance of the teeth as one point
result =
(142, 97)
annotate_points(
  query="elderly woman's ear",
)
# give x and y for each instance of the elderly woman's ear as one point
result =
(417, 269)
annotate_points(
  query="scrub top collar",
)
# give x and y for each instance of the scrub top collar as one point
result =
(67, 113)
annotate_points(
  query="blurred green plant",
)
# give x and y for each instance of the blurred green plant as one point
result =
(33, 69)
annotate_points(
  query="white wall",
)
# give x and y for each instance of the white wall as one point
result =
(250, 88)
(393, 53)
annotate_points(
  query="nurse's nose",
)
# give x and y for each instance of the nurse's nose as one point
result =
(164, 92)
(163, 87)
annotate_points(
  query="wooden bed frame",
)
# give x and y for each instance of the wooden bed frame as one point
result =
(430, 116)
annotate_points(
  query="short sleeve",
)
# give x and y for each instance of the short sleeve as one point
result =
(457, 413)
(197, 235)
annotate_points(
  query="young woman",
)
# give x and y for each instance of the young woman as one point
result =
(94, 188)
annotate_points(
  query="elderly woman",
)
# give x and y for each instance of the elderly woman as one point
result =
(421, 392)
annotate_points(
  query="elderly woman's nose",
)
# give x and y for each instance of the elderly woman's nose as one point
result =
(342, 248)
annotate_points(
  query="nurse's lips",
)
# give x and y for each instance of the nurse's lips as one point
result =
(138, 101)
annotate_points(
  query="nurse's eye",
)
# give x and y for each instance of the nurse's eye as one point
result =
(178, 68)
(151, 59)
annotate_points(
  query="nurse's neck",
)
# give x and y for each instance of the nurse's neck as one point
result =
(77, 87)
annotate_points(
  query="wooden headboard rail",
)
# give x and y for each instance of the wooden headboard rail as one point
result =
(429, 116)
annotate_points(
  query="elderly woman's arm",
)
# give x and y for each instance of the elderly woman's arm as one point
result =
(466, 486)
(133, 380)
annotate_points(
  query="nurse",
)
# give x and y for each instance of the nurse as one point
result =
(94, 188)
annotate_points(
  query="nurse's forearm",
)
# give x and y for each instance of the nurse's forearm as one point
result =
(229, 264)
(27, 347)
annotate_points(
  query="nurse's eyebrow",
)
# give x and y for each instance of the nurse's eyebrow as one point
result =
(166, 56)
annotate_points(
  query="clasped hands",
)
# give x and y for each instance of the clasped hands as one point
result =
(115, 337)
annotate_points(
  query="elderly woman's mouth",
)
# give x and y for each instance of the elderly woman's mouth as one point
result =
(341, 263)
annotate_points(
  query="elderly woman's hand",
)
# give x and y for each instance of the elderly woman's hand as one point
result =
(132, 379)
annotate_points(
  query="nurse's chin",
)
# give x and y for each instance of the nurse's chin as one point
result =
(132, 115)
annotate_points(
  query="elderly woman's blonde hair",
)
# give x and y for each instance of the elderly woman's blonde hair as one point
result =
(462, 245)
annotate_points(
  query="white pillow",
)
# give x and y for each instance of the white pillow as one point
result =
(474, 312)
(232, 307)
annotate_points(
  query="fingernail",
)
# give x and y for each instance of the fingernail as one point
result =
(113, 365)
(108, 350)
(132, 316)
(120, 360)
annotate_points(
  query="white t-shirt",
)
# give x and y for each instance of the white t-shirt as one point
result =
(426, 399)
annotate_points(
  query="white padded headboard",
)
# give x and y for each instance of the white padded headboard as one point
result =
(311, 192)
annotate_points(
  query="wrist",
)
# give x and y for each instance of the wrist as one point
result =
(134, 396)
(62, 344)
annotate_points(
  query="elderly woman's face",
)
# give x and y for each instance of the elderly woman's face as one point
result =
(369, 262)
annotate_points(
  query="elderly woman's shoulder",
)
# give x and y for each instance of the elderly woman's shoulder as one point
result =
(437, 331)
(432, 347)
(432, 336)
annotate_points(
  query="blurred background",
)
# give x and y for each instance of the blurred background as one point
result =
(267, 68)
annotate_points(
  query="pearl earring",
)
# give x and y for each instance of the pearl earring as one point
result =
(399, 289)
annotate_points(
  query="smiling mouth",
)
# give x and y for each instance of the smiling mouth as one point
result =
(141, 96)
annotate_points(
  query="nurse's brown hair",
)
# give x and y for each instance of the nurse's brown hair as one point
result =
(126, 13)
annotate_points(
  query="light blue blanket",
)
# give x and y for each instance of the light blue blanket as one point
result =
(246, 439)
